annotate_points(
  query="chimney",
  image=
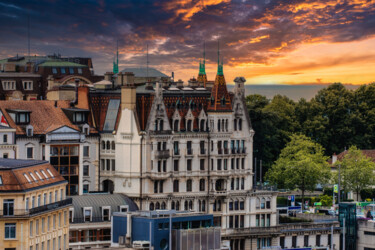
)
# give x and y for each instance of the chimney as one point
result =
(73, 103)
(108, 76)
(180, 84)
(51, 82)
(119, 79)
(334, 158)
(83, 97)
(128, 97)
(129, 78)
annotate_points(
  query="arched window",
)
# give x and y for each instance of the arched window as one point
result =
(190, 205)
(161, 126)
(163, 206)
(235, 124)
(113, 145)
(175, 125)
(188, 185)
(202, 184)
(177, 205)
(186, 206)
(201, 127)
(173, 205)
(157, 205)
(240, 124)
(189, 125)
(103, 144)
(108, 145)
(152, 206)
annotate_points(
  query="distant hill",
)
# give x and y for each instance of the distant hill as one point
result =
(294, 92)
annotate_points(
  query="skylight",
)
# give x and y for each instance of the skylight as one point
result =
(40, 177)
(27, 177)
(44, 173)
(32, 176)
(50, 173)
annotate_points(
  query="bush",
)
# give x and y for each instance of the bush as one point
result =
(326, 200)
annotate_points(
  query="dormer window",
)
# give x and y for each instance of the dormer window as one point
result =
(29, 130)
(77, 116)
(87, 212)
(106, 213)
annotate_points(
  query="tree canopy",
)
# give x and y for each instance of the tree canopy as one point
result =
(357, 171)
(301, 165)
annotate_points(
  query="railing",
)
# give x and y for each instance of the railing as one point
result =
(162, 154)
(36, 210)
(92, 219)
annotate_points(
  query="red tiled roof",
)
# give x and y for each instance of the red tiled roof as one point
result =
(14, 179)
(367, 152)
(44, 117)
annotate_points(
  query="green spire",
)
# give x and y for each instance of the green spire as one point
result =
(115, 62)
(202, 66)
(219, 66)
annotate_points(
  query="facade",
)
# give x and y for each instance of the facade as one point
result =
(153, 228)
(35, 209)
(366, 235)
(33, 77)
(58, 132)
(91, 217)
(169, 146)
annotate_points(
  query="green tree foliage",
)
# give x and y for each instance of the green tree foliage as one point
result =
(326, 200)
(336, 118)
(301, 165)
(357, 171)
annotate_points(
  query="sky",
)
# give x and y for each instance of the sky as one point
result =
(266, 41)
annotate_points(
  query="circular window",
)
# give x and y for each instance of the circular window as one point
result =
(163, 244)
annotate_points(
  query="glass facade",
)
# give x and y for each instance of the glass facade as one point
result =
(65, 159)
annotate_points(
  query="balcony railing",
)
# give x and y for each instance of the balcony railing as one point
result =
(36, 210)
(162, 154)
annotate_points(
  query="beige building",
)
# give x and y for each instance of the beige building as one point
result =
(35, 212)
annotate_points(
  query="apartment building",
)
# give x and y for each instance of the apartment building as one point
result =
(35, 210)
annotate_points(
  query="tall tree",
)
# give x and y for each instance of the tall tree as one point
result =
(357, 171)
(301, 165)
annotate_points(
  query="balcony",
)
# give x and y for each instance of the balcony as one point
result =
(159, 175)
(162, 154)
(33, 211)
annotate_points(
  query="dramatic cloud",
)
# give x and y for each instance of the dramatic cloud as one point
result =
(259, 39)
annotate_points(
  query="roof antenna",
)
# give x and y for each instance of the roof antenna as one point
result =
(28, 35)
(147, 62)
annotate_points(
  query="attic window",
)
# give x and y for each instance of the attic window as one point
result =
(32, 176)
(27, 177)
(23, 118)
(44, 173)
(40, 177)
(50, 173)
(79, 117)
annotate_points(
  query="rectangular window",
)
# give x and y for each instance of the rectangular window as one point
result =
(56, 196)
(62, 70)
(43, 225)
(36, 227)
(86, 170)
(113, 163)
(106, 214)
(175, 165)
(5, 138)
(71, 70)
(59, 219)
(8, 207)
(188, 164)
(87, 214)
(218, 164)
(294, 241)
(318, 240)
(54, 221)
(176, 150)
(86, 150)
(10, 230)
(27, 85)
(49, 223)
(27, 203)
(54, 71)
(306, 241)
(282, 242)
(79, 71)
(30, 153)
(31, 228)
(85, 188)
(202, 164)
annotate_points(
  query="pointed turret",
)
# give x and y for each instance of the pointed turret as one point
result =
(115, 61)
(202, 77)
(220, 99)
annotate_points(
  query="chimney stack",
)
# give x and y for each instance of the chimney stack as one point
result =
(108, 76)
(129, 78)
(119, 79)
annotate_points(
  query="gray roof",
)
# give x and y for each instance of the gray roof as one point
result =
(97, 201)
(142, 72)
(6, 163)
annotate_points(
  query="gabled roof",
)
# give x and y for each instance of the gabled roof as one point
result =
(367, 152)
(45, 115)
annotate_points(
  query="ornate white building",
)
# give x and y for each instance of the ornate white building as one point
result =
(169, 146)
